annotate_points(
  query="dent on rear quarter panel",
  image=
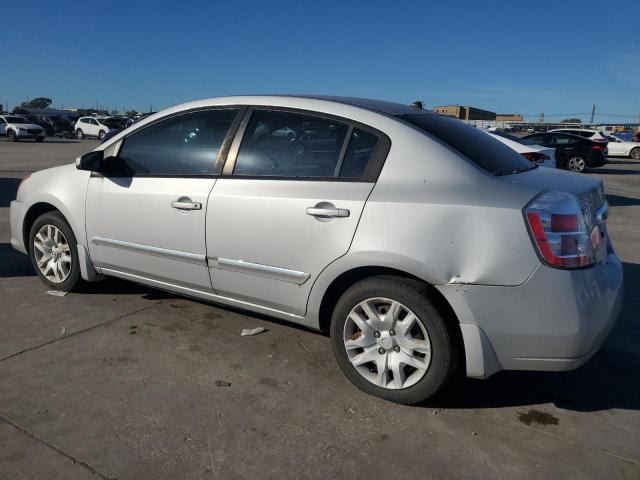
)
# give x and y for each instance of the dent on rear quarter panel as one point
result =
(458, 223)
(63, 187)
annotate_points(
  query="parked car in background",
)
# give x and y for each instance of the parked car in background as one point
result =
(96, 127)
(127, 123)
(61, 125)
(594, 135)
(621, 148)
(573, 152)
(16, 128)
(34, 119)
(543, 156)
(420, 243)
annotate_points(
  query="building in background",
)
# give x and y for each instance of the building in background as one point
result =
(464, 112)
(509, 117)
(467, 112)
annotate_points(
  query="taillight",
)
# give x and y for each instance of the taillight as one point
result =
(598, 147)
(535, 156)
(559, 231)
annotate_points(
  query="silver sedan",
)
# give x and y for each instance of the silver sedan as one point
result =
(421, 244)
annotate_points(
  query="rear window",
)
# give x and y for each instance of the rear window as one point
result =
(486, 152)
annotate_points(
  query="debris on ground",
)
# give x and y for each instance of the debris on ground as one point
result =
(249, 332)
(222, 383)
(349, 410)
(63, 331)
(56, 293)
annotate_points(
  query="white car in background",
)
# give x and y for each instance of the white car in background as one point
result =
(18, 128)
(91, 127)
(594, 135)
(543, 156)
(620, 148)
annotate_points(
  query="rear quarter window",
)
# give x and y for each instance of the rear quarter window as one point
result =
(486, 152)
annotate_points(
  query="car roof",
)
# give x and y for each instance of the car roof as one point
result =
(380, 106)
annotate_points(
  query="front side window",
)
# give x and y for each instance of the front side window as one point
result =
(285, 144)
(182, 145)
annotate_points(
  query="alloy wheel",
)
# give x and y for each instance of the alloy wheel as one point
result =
(635, 154)
(576, 164)
(52, 254)
(387, 343)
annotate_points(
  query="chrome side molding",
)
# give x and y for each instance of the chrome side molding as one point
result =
(260, 270)
(156, 251)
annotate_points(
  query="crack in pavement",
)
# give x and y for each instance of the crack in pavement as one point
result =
(93, 327)
(56, 449)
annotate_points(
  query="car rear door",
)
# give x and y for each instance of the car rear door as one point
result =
(288, 203)
(145, 212)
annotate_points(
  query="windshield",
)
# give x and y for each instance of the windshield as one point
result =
(16, 120)
(486, 152)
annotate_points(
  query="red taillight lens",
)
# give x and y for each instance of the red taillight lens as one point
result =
(535, 156)
(559, 231)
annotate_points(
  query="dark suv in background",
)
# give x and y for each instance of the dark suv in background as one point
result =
(573, 152)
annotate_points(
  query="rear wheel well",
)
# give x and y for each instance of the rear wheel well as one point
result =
(30, 217)
(346, 279)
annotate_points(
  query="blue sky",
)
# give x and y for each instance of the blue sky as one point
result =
(557, 57)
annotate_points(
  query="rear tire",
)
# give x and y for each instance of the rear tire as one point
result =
(576, 164)
(635, 154)
(53, 250)
(101, 134)
(416, 334)
(40, 140)
(79, 134)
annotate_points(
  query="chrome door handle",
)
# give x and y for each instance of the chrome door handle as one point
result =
(327, 212)
(182, 205)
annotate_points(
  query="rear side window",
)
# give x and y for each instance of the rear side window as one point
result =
(360, 149)
(563, 140)
(182, 145)
(287, 144)
(486, 152)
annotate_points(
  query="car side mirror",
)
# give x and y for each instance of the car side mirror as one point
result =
(92, 161)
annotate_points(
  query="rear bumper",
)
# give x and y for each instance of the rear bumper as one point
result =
(557, 320)
(17, 211)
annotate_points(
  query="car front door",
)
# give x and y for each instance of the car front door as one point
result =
(145, 212)
(287, 204)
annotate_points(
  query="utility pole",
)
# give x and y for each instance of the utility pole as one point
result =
(593, 112)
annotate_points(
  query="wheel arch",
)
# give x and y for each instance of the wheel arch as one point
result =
(35, 211)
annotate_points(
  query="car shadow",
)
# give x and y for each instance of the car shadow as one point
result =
(609, 380)
(612, 171)
(622, 162)
(14, 263)
(620, 201)
(60, 140)
(8, 190)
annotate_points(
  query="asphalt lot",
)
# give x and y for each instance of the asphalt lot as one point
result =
(119, 381)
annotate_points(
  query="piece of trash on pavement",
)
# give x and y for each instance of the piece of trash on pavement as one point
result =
(56, 293)
(248, 332)
(63, 331)
(222, 383)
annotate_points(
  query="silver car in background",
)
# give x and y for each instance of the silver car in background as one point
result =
(421, 244)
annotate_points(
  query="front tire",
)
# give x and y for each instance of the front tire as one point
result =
(576, 164)
(54, 251)
(40, 139)
(101, 134)
(391, 341)
(11, 136)
(79, 134)
(635, 154)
